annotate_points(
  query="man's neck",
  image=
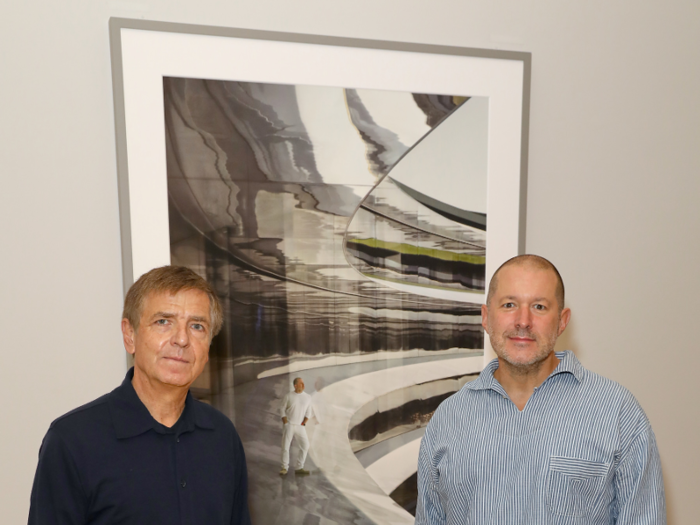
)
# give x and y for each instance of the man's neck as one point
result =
(165, 403)
(520, 382)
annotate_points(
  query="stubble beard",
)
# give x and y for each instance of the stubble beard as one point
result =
(545, 346)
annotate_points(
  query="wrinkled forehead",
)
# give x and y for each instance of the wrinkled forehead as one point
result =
(191, 300)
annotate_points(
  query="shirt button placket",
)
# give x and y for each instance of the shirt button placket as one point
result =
(184, 491)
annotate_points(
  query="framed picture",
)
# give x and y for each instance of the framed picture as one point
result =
(348, 200)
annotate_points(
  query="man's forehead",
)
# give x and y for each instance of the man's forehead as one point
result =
(190, 299)
(525, 276)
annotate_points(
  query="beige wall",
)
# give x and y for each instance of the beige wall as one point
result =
(613, 191)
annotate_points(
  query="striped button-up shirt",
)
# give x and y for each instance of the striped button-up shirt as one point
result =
(581, 452)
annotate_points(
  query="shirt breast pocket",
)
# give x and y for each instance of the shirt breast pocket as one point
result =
(574, 485)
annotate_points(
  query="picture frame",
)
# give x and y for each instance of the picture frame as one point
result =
(144, 53)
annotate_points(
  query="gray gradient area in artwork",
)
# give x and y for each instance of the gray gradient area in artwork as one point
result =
(257, 208)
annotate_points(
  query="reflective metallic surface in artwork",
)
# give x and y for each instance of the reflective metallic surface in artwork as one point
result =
(306, 207)
(406, 230)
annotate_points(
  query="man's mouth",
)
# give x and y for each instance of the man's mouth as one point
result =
(521, 338)
(177, 359)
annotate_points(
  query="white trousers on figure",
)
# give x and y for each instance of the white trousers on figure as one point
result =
(298, 433)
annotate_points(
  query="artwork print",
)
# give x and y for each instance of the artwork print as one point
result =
(344, 231)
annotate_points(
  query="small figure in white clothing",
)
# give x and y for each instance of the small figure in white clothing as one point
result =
(295, 411)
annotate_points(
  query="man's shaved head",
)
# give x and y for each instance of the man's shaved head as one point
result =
(532, 261)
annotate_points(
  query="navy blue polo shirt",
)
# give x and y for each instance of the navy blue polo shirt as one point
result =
(110, 462)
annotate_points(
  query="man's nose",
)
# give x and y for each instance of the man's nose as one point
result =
(524, 318)
(181, 337)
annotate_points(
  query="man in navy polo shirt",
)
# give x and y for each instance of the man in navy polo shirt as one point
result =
(148, 452)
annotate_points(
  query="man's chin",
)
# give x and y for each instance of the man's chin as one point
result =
(524, 359)
(178, 380)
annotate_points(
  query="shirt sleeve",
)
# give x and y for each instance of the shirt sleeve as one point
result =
(639, 487)
(309, 409)
(283, 406)
(429, 509)
(240, 514)
(58, 494)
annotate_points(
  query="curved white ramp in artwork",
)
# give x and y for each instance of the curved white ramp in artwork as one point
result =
(330, 449)
(397, 466)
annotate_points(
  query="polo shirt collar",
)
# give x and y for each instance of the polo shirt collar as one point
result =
(568, 364)
(130, 416)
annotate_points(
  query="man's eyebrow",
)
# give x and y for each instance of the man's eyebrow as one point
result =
(167, 315)
(172, 315)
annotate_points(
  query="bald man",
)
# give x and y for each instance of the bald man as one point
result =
(295, 411)
(537, 438)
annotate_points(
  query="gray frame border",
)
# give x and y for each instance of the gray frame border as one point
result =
(117, 24)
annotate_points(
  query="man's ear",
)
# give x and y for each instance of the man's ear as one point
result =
(484, 315)
(564, 319)
(128, 333)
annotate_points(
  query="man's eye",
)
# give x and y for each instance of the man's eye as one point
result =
(198, 326)
(539, 307)
(508, 305)
(162, 322)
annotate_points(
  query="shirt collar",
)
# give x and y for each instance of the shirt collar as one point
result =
(131, 417)
(568, 364)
